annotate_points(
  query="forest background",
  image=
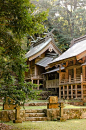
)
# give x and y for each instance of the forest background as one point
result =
(68, 17)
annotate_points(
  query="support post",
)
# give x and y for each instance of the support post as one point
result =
(59, 92)
(63, 91)
(67, 92)
(38, 84)
(69, 78)
(83, 72)
(76, 90)
(81, 78)
(71, 91)
(75, 74)
(82, 90)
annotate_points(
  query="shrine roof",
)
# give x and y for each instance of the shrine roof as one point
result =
(45, 61)
(54, 70)
(73, 51)
(84, 64)
(37, 48)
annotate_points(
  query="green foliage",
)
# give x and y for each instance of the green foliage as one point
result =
(17, 19)
(68, 17)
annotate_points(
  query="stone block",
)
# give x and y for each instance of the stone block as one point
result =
(17, 121)
(4, 116)
(53, 99)
(84, 100)
(8, 106)
(62, 119)
(83, 116)
(52, 105)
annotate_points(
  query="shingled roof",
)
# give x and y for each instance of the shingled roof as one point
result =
(72, 51)
(38, 48)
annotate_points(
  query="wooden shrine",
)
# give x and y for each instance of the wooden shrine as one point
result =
(72, 79)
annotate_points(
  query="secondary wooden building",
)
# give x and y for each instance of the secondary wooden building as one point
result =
(40, 55)
(72, 79)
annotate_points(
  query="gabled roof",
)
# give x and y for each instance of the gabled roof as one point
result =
(74, 41)
(36, 49)
(44, 62)
(73, 51)
(34, 52)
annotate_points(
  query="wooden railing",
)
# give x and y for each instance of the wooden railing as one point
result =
(72, 80)
(34, 76)
(52, 83)
(84, 79)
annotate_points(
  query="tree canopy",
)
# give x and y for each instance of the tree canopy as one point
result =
(17, 19)
(68, 17)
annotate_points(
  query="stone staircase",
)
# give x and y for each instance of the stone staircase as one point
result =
(35, 115)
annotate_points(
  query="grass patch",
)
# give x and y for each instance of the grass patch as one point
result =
(34, 107)
(1, 107)
(38, 101)
(75, 124)
(67, 106)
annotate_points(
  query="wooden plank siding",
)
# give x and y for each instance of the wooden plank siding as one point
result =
(52, 83)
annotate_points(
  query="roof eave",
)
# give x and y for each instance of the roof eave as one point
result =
(61, 61)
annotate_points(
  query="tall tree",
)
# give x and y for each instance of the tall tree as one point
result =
(68, 17)
(17, 19)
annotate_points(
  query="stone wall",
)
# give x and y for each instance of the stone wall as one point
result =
(9, 115)
(74, 113)
(52, 114)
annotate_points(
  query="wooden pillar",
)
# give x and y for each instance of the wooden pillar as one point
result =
(59, 77)
(67, 91)
(71, 91)
(66, 76)
(75, 74)
(59, 92)
(63, 91)
(35, 70)
(76, 90)
(69, 78)
(81, 78)
(83, 72)
(32, 83)
(81, 90)
(38, 84)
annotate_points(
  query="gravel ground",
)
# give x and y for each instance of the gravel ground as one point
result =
(5, 127)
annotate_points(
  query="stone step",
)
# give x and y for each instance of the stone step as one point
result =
(34, 114)
(36, 119)
(35, 111)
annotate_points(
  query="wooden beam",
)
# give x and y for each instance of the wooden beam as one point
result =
(81, 55)
(61, 61)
